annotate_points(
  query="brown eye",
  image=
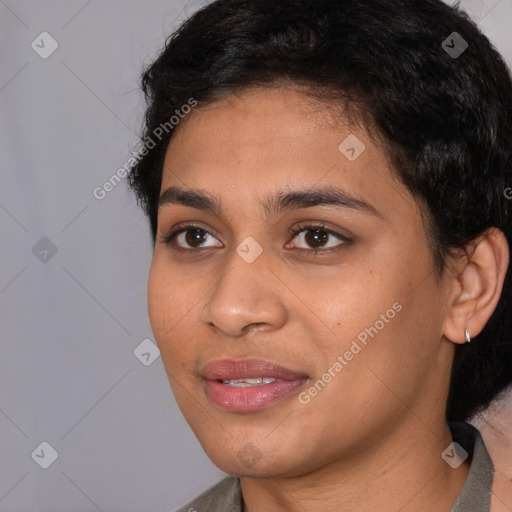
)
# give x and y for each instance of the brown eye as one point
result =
(315, 238)
(194, 237)
(189, 237)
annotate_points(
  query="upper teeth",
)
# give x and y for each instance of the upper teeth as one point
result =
(249, 382)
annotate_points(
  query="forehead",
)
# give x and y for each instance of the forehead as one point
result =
(266, 140)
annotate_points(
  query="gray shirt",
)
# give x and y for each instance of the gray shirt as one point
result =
(475, 496)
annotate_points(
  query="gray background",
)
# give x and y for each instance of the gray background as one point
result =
(71, 321)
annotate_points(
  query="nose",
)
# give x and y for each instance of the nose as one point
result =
(247, 297)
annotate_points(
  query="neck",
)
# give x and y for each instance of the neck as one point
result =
(402, 472)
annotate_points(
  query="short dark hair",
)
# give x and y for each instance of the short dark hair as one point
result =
(445, 119)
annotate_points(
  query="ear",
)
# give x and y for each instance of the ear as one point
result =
(476, 285)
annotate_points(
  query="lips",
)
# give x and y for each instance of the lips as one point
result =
(250, 384)
(228, 369)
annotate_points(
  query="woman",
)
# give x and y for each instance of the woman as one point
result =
(326, 184)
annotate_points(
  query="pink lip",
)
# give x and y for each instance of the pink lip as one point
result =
(244, 399)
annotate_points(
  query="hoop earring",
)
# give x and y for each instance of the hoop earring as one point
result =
(468, 337)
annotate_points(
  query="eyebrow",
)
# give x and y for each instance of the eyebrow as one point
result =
(281, 202)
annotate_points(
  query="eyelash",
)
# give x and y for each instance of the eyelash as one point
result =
(168, 239)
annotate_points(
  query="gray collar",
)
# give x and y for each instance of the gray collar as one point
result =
(476, 493)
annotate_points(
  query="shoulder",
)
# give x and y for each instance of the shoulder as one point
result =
(222, 497)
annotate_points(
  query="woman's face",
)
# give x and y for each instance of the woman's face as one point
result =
(305, 263)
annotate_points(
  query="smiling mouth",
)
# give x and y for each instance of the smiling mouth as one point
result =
(249, 385)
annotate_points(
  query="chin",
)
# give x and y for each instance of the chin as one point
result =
(241, 470)
(252, 462)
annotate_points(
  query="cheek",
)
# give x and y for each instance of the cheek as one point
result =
(173, 309)
(158, 301)
(399, 351)
(347, 302)
(372, 318)
(165, 303)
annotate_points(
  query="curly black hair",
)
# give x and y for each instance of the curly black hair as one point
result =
(442, 110)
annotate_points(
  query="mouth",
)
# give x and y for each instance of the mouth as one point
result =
(249, 385)
(245, 383)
